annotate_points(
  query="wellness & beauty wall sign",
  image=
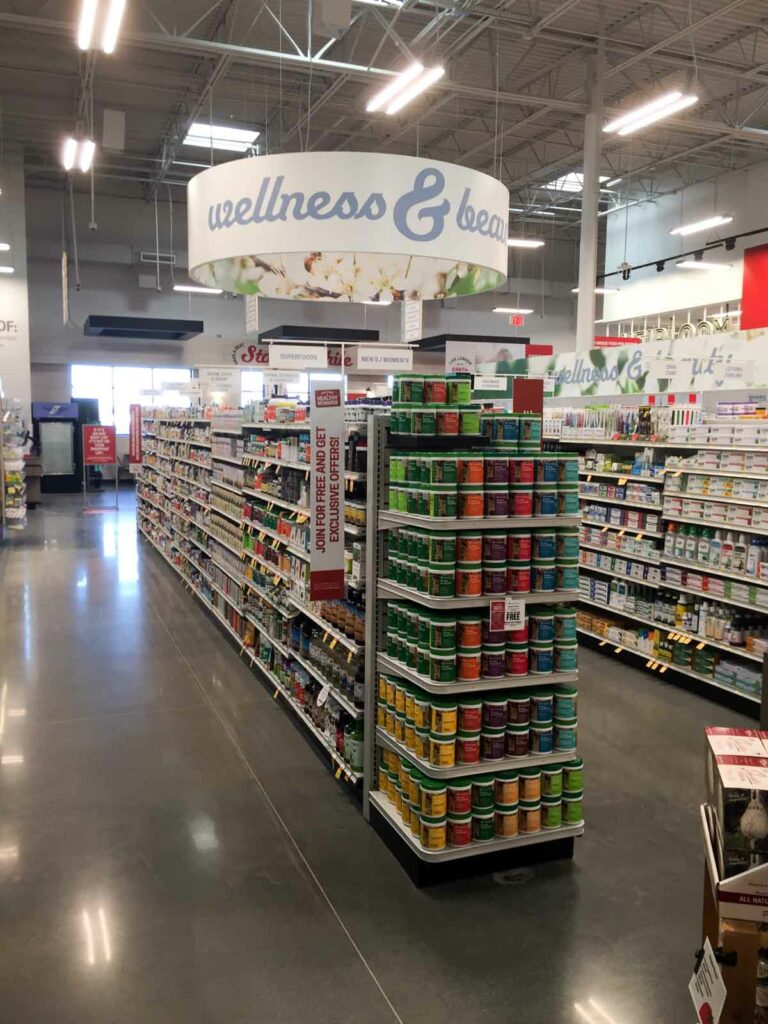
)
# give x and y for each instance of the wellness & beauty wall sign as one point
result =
(326, 483)
(347, 227)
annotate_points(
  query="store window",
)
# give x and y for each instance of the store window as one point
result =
(118, 387)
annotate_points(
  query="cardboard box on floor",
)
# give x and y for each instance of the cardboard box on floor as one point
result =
(733, 910)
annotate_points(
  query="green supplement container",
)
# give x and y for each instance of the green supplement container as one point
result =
(441, 501)
(442, 633)
(551, 782)
(442, 580)
(483, 828)
(442, 668)
(573, 775)
(482, 793)
(573, 810)
(441, 468)
(459, 389)
(551, 812)
(469, 420)
(441, 547)
(424, 421)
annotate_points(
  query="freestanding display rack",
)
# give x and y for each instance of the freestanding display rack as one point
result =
(423, 864)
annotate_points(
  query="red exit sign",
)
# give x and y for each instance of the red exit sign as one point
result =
(517, 320)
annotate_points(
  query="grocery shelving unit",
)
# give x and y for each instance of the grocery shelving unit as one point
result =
(198, 515)
(13, 487)
(668, 573)
(422, 864)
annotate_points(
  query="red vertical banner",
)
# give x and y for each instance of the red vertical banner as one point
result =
(134, 435)
(326, 483)
(754, 294)
(99, 447)
(528, 394)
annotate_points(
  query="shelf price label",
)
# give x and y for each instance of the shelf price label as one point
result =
(322, 697)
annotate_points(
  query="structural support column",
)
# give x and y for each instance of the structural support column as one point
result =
(593, 122)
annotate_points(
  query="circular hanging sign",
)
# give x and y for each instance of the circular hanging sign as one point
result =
(347, 227)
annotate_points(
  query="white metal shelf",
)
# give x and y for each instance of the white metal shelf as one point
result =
(267, 567)
(178, 458)
(387, 588)
(235, 518)
(605, 500)
(336, 634)
(626, 529)
(257, 528)
(181, 419)
(709, 570)
(354, 531)
(595, 442)
(227, 431)
(737, 474)
(266, 425)
(621, 553)
(671, 666)
(388, 519)
(270, 461)
(226, 487)
(346, 769)
(763, 609)
(630, 478)
(182, 440)
(738, 652)
(717, 524)
(226, 458)
(389, 665)
(388, 812)
(700, 496)
(224, 544)
(620, 575)
(467, 770)
(189, 480)
(272, 499)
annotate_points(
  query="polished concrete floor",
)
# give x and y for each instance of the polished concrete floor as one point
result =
(172, 848)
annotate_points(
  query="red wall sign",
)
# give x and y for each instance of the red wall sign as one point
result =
(99, 448)
(326, 485)
(754, 294)
(134, 435)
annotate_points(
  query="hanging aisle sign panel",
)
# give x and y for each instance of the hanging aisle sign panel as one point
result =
(326, 483)
(134, 435)
(347, 227)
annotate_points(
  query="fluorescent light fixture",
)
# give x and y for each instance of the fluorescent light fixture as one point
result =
(573, 182)
(9, 853)
(429, 77)
(220, 136)
(598, 291)
(612, 182)
(6, 270)
(511, 309)
(516, 209)
(700, 265)
(12, 759)
(542, 213)
(87, 149)
(197, 289)
(524, 243)
(392, 88)
(4, 247)
(112, 24)
(87, 23)
(663, 106)
(69, 153)
(701, 225)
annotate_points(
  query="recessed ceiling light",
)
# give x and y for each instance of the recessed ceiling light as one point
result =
(524, 243)
(598, 291)
(701, 225)
(198, 289)
(573, 182)
(220, 136)
(649, 113)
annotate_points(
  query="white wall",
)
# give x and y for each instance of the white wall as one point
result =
(14, 306)
(642, 232)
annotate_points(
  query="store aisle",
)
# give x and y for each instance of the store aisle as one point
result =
(172, 848)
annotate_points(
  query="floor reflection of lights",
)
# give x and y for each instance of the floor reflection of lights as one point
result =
(96, 936)
(594, 1013)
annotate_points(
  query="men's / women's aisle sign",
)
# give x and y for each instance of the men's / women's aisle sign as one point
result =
(347, 227)
(326, 483)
